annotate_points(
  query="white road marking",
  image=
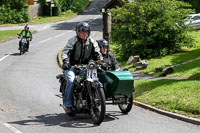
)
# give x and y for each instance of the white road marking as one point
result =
(59, 35)
(11, 128)
(4, 57)
(44, 27)
(46, 40)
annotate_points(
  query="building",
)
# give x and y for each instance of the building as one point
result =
(32, 2)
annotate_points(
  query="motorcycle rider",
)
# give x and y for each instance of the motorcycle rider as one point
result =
(109, 61)
(26, 33)
(78, 50)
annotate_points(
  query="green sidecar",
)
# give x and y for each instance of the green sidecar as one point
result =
(118, 87)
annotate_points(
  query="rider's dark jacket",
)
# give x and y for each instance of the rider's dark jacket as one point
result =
(76, 52)
(111, 62)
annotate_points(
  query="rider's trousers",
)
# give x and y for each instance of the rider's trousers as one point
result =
(70, 77)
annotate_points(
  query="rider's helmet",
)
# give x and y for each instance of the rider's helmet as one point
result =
(26, 28)
(103, 43)
(82, 26)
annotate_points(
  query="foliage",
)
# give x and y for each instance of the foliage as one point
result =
(149, 28)
(195, 4)
(13, 11)
(60, 5)
(186, 54)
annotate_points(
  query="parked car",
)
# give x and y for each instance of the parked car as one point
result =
(193, 20)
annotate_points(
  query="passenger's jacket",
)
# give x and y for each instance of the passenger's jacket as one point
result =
(28, 35)
(112, 63)
(76, 52)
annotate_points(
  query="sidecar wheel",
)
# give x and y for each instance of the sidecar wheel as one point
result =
(125, 108)
(97, 113)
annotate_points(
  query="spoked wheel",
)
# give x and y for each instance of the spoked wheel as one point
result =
(97, 112)
(125, 108)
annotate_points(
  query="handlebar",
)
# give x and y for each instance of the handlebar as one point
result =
(97, 65)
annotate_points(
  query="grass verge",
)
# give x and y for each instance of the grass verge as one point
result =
(9, 34)
(172, 95)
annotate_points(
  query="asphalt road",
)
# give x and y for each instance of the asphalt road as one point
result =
(28, 86)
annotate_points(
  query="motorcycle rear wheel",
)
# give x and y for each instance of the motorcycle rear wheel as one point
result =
(125, 108)
(97, 112)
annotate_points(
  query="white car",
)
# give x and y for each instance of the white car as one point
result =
(193, 20)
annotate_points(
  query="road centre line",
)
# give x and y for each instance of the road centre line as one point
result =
(4, 57)
(59, 35)
(46, 40)
(15, 130)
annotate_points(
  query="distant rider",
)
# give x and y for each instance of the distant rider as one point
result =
(26, 33)
(109, 61)
(78, 50)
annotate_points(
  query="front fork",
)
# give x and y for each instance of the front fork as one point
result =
(94, 85)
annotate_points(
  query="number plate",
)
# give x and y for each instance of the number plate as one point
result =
(24, 40)
(92, 75)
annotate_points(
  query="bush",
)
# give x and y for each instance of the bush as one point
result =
(149, 28)
(195, 4)
(8, 15)
(60, 5)
(13, 12)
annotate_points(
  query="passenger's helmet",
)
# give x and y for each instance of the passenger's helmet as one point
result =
(103, 43)
(82, 26)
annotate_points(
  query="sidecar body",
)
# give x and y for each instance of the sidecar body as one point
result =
(117, 84)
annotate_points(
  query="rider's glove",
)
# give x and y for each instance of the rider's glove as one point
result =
(66, 65)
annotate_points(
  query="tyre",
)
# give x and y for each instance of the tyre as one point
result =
(125, 108)
(21, 51)
(97, 112)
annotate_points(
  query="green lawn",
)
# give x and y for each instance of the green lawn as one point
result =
(9, 34)
(173, 95)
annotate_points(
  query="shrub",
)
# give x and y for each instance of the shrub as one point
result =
(60, 5)
(149, 28)
(13, 12)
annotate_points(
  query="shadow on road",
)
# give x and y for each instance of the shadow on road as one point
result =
(78, 121)
(96, 25)
(15, 54)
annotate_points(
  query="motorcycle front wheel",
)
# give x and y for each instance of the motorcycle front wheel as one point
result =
(97, 112)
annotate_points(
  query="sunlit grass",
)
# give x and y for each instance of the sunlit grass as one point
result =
(5, 35)
(172, 95)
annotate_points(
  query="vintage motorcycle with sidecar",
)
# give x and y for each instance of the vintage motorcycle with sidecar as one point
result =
(95, 88)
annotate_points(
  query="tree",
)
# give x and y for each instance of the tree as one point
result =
(149, 28)
(13, 11)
